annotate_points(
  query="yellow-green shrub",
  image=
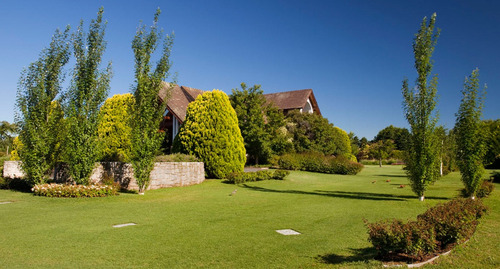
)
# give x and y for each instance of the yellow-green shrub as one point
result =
(115, 137)
(211, 133)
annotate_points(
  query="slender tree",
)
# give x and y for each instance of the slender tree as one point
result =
(148, 110)
(470, 136)
(7, 131)
(88, 90)
(422, 159)
(39, 85)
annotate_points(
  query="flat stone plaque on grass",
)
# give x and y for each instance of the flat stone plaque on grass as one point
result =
(3, 203)
(287, 232)
(123, 225)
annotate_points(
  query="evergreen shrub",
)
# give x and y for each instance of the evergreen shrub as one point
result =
(211, 133)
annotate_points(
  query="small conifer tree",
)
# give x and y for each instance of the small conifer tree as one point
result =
(115, 131)
(211, 133)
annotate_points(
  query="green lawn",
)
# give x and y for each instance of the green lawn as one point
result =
(203, 226)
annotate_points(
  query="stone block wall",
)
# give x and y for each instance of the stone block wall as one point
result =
(164, 174)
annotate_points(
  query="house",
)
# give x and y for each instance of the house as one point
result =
(181, 96)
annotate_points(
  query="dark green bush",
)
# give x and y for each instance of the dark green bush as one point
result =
(432, 232)
(484, 191)
(241, 177)
(317, 162)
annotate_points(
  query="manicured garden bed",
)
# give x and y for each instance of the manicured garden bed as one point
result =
(204, 226)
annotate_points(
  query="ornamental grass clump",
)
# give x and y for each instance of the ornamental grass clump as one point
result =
(74, 191)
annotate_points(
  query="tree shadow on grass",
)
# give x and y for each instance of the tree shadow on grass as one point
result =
(357, 255)
(345, 194)
(390, 175)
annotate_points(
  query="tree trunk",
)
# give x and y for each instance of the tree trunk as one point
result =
(380, 162)
(421, 199)
(441, 167)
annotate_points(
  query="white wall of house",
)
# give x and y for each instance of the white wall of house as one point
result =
(307, 108)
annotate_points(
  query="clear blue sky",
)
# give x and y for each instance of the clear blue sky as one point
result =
(353, 54)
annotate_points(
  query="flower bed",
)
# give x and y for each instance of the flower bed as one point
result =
(66, 190)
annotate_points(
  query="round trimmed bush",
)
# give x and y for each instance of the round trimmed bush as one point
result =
(211, 133)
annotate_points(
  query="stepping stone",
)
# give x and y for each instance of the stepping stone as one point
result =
(3, 203)
(124, 225)
(287, 232)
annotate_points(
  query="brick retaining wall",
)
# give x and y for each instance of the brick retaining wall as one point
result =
(164, 174)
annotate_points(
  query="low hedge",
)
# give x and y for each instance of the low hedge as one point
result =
(434, 231)
(177, 157)
(66, 190)
(317, 162)
(241, 177)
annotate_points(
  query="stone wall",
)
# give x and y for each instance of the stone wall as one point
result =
(164, 174)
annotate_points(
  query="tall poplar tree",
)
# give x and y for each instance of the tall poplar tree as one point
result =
(470, 136)
(422, 159)
(148, 110)
(88, 90)
(39, 86)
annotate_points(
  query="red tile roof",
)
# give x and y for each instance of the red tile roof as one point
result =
(180, 97)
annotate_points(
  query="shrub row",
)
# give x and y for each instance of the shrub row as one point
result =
(434, 231)
(484, 191)
(241, 177)
(66, 190)
(177, 157)
(317, 162)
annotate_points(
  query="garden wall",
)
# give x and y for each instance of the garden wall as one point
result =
(164, 174)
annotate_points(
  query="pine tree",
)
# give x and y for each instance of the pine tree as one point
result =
(422, 159)
(470, 136)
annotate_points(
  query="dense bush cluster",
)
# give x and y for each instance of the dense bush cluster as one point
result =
(65, 190)
(211, 133)
(177, 157)
(241, 177)
(484, 191)
(434, 231)
(316, 162)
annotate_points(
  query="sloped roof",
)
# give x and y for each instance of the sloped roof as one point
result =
(293, 99)
(180, 97)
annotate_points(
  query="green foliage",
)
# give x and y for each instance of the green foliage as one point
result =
(400, 136)
(422, 160)
(16, 147)
(211, 133)
(242, 177)
(381, 149)
(280, 141)
(115, 131)
(177, 157)
(146, 140)
(249, 103)
(89, 88)
(317, 162)
(492, 156)
(312, 132)
(75, 191)
(484, 191)
(470, 136)
(7, 134)
(39, 119)
(433, 231)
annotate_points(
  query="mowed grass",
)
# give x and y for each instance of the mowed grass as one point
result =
(203, 226)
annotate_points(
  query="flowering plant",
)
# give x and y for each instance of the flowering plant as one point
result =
(66, 190)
